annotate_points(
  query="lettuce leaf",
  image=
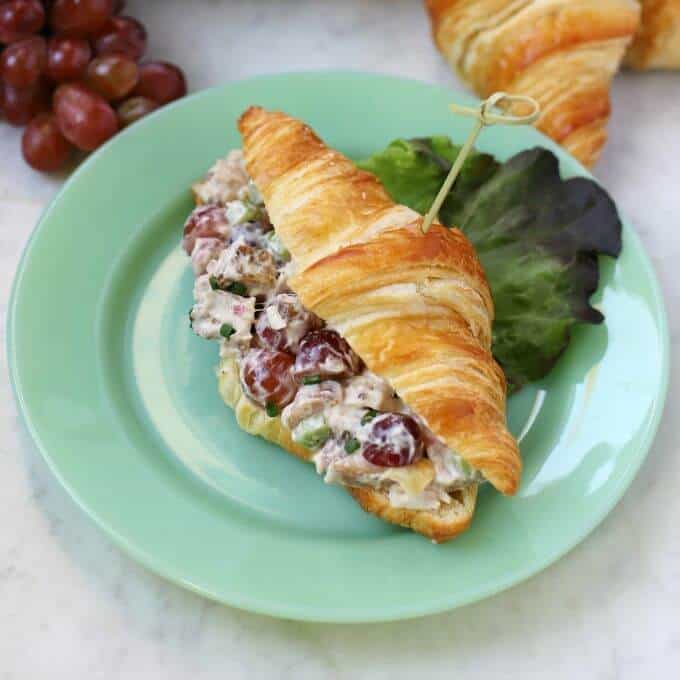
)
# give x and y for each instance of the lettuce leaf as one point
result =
(413, 170)
(538, 238)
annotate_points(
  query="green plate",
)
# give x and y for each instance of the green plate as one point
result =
(121, 397)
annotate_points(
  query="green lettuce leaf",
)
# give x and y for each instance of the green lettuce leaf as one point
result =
(538, 238)
(414, 169)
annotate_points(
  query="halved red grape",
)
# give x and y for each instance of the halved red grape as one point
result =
(84, 117)
(20, 19)
(161, 81)
(393, 440)
(121, 35)
(131, 110)
(267, 379)
(22, 62)
(112, 76)
(327, 354)
(20, 105)
(42, 144)
(206, 221)
(80, 18)
(285, 308)
(67, 58)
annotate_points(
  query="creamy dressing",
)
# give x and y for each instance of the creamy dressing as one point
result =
(450, 469)
(274, 318)
(205, 250)
(224, 180)
(243, 300)
(213, 309)
(344, 417)
(311, 400)
(284, 314)
(369, 391)
(240, 262)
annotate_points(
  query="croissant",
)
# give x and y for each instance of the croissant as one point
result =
(563, 53)
(657, 42)
(415, 307)
(414, 310)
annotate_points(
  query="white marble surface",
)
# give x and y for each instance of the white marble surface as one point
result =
(72, 606)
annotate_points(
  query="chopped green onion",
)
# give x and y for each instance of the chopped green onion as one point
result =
(227, 330)
(277, 246)
(311, 380)
(271, 409)
(214, 283)
(312, 432)
(237, 288)
(239, 212)
(351, 445)
(467, 469)
(254, 194)
(251, 213)
(368, 416)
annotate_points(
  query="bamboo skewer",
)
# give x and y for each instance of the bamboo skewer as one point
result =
(485, 115)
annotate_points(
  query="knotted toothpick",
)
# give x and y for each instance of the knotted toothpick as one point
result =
(485, 115)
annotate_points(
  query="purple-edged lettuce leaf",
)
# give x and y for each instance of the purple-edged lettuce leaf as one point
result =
(537, 235)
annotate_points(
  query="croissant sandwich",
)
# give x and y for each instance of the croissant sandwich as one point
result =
(563, 53)
(347, 336)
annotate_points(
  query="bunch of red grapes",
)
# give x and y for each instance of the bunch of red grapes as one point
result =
(70, 72)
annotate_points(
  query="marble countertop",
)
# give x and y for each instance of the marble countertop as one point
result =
(74, 606)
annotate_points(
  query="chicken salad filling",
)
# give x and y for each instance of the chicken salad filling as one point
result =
(293, 365)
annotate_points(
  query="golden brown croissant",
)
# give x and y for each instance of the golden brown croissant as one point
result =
(415, 307)
(561, 52)
(657, 42)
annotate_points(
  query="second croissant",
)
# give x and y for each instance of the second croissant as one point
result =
(563, 54)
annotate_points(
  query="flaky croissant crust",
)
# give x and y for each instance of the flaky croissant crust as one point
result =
(415, 307)
(657, 43)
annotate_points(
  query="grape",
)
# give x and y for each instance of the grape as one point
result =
(206, 221)
(20, 105)
(267, 377)
(42, 144)
(133, 109)
(67, 58)
(161, 81)
(80, 18)
(112, 76)
(327, 354)
(70, 33)
(297, 319)
(20, 19)
(22, 63)
(121, 35)
(84, 118)
(393, 440)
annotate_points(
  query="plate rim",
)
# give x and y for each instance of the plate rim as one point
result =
(319, 613)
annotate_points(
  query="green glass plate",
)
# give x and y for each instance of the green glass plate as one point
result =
(121, 397)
